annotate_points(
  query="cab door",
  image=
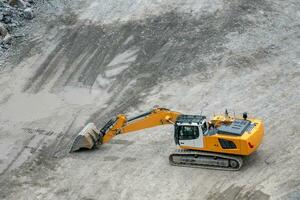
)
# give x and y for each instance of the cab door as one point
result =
(198, 142)
(190, 136)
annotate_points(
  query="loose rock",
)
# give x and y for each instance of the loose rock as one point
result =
(28, 13)
(7, 19)
(19, 3)
(12, 2)
(8, 11)
(7, 39)
(12, 14)
(3, 30)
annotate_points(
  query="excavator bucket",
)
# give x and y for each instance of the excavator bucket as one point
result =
(88, 138)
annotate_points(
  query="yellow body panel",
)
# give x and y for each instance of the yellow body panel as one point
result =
(245, 144)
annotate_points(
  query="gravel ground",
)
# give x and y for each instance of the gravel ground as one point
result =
(89, 60)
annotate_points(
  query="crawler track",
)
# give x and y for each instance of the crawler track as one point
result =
(201, 159)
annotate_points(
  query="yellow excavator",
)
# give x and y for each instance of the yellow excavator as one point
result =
(219, 143)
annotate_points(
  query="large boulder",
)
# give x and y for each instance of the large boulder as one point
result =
(28, 13)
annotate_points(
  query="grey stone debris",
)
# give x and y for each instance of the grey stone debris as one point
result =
(19, 4)
(22, 4)
(12, 2)
(7, 39)
(7, 11)
(28, 13)
(12, 13)
(7, 19)
(3, 30)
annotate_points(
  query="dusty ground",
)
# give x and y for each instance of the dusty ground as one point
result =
(97, 58)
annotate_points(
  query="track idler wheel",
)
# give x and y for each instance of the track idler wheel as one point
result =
(234, 164)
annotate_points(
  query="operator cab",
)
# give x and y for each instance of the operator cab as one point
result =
(189, 130)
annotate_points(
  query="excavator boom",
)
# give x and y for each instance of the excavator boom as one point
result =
(90, 136)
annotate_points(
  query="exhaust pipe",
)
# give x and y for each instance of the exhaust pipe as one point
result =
(88, 138)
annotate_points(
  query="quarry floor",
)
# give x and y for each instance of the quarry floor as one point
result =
(87, 61)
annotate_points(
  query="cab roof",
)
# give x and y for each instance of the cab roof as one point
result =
(190, 119)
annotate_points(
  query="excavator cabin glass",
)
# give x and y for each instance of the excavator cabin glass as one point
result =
(188, 132)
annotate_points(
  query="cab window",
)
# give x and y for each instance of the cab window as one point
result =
(188, 132)
(204, 127)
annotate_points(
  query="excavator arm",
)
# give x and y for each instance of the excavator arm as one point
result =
(90, 136)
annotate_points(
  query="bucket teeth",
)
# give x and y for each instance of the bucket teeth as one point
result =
(88, 138)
